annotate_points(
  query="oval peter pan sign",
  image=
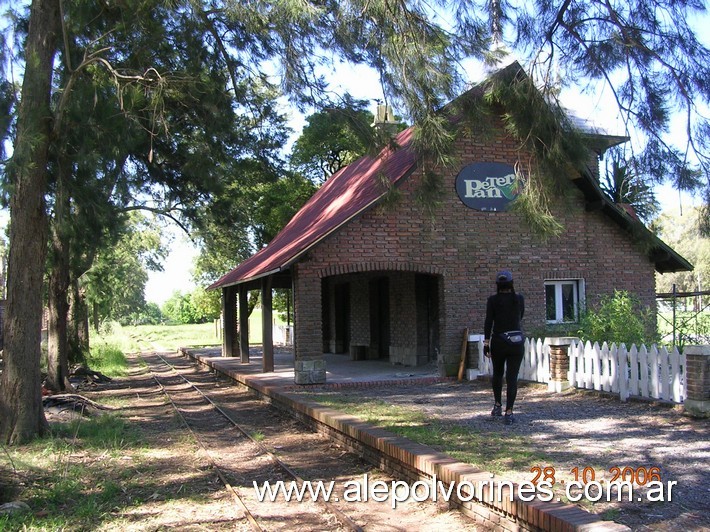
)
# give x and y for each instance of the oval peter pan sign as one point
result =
(486, 186)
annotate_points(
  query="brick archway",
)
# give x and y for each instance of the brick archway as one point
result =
(366, 267)
(382, 310)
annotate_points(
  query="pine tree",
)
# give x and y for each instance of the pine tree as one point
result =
(188, 85)
(21, 412)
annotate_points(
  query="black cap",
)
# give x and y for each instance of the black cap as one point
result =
(504, 277)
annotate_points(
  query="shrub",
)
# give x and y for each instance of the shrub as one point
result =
(619, 318)
(149, 314)
(108, 359)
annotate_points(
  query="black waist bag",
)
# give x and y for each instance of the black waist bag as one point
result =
(513, 337)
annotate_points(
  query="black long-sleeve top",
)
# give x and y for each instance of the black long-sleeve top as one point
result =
(504, 312)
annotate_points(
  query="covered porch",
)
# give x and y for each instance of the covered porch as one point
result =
(375, 314)
(235, 318)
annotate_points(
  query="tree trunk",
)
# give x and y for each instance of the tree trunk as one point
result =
(57, 339)
(21, 413)
(78, 325)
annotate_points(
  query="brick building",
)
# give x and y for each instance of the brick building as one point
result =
(378, 274)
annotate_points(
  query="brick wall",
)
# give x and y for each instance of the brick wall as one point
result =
(359, 312)
(403, 345)
(468, 247)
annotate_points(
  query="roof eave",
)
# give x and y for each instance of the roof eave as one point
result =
(216, 285)
(665, 258)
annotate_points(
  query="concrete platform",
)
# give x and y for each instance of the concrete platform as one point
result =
(340, 370)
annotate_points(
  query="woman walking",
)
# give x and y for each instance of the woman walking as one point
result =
(504, 342)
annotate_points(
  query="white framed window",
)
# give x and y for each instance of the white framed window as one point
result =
(563, 300)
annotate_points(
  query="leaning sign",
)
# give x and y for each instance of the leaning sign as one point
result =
(487, 186)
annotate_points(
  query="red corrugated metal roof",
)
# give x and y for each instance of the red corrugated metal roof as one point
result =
(344, 195)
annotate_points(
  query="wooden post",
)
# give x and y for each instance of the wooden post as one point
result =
(464, 348)
(228, 320)
(244, 324)
(267, 325)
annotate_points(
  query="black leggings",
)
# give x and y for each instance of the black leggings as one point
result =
(506, 358)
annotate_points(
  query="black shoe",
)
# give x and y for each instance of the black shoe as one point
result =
(497, 410)
(508, 419)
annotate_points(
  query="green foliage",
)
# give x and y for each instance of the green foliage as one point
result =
(178, 309)
(198, 306)
(332, 139)
(149, 314)
(207, 305)
(683, 233)
(691, 327)
(623, 185)
(276, 203)
(108, 358)
(619, 318)
(558, 149)
(649, 58)
(115, 284)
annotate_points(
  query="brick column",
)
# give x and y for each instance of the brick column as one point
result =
(559, 363)
(697, 380)
(309, 364)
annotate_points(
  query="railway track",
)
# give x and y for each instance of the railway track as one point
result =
(248, 443)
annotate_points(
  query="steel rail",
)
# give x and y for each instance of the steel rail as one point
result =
(233, 491)
(342, 517)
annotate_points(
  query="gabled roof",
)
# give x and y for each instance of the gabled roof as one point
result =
(360, 185)
(343, 196)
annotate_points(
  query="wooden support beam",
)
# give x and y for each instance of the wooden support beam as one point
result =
(229, 322)
(267, 325)
(244, 324)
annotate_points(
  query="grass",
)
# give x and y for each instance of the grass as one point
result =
(87, 471)
(171, 337)
(71, 493)
(130, 339)
(495, 452)
(108, 358)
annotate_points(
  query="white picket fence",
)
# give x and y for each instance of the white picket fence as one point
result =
(645, 372)
(535, 366)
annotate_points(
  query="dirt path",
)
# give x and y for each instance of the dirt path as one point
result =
(181, 468)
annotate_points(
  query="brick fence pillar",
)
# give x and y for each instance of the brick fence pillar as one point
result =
(559, 363)
(697, 380)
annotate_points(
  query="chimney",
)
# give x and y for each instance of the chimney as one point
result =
(384, 118)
